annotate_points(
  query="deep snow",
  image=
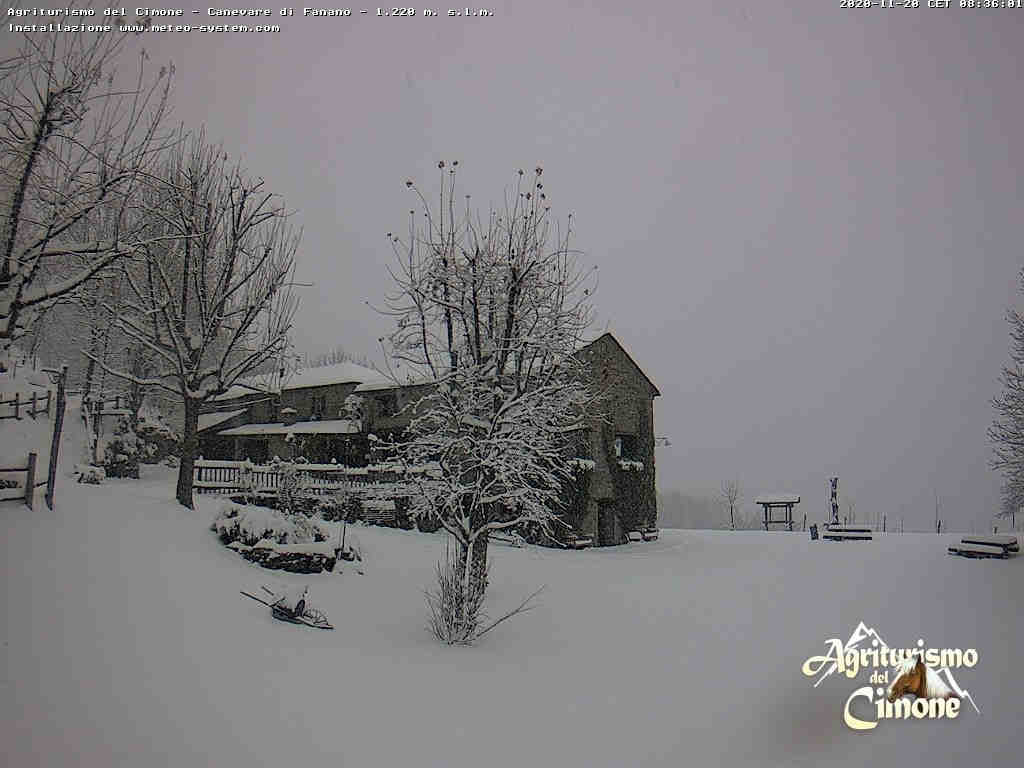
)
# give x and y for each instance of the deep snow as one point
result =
(126, 642)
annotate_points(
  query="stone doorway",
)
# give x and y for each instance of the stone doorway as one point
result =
(607, 523)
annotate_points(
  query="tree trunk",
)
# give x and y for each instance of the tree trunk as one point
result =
(478, 568)
(479, 565)
(474, 581)
(189, 448)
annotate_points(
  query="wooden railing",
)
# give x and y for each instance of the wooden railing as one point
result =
(28, 406)
(211, 476)
(26, 492)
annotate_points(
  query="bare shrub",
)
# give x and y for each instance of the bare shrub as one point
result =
(455, 604)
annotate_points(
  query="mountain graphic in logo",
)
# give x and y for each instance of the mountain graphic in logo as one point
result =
(862, 637)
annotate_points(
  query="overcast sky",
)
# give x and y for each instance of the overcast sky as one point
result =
(807, 220)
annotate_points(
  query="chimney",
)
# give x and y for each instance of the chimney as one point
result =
(289, 416)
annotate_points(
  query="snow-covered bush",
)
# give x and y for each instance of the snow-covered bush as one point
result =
(161, 441)
(455, 612)
(274, 540)
(122, 452)
(342, 505)
(249, 524)
(293, 488)
(90, 475)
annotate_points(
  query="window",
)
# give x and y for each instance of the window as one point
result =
(625, 447)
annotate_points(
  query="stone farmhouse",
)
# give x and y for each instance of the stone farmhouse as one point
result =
(315, 417)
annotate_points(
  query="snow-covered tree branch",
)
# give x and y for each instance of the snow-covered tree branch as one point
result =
(75, 139)
(211, 301)
(493, 310)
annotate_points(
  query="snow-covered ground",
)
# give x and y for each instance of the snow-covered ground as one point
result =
(126, 643)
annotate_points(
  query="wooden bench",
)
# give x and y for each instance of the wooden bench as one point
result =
(843, 536)
(649, 534)
(845, 529)
(979, 551)
(1007, 543)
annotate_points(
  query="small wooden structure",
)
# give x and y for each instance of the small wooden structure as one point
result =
(778, 508)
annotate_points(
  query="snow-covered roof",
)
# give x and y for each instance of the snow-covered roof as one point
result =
(207, 420)
(329, 427)
(339, 373)
(380, 382)
(321, 376)
(777, 498)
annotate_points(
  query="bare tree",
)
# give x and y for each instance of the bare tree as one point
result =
(1013, 500)
(492, 310)
(730, 495)
(212, 301)
(75, 139)
(1007, 430)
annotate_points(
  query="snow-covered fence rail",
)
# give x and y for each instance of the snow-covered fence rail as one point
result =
(212, 476)
(17, 406)
(26, 491)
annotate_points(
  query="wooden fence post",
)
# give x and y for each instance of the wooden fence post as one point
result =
(58, 425)
(16, 396)
(30, 480)
(32, 408)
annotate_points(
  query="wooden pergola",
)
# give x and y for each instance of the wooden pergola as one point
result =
(778, 508)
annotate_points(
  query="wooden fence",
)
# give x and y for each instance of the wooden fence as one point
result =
(28, 406)
(28, 489)
(59, 376)
(211, 476)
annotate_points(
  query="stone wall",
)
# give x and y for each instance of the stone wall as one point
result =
(626, 407)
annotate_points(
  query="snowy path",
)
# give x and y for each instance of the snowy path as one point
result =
(125, 642)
